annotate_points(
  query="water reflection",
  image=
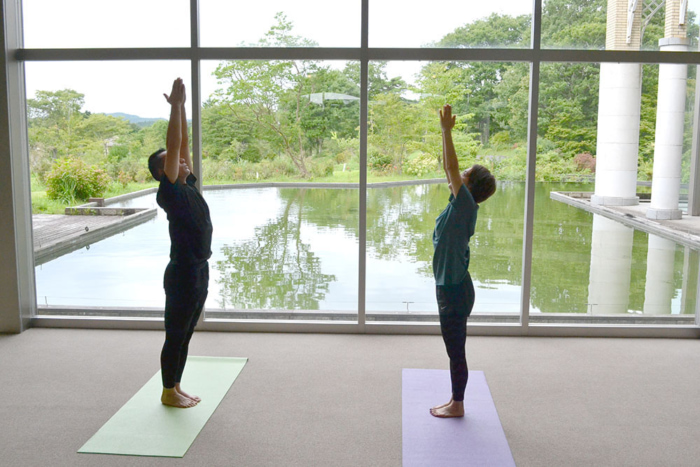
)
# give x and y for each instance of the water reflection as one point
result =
(400, 223)
(659, 291)
(297, 249)
(276, 268)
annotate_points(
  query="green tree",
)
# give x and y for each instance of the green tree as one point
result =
(577, 24)
(474, 83)
(271, 93)
(53, 118)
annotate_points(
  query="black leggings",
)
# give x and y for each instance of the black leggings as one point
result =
(186, 289)
(455, 303)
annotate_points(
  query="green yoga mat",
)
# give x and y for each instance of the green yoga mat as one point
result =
(145, 427)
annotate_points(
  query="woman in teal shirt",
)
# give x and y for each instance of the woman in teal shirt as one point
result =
(453, 284)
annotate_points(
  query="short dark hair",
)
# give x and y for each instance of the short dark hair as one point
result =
(155, 164)
(480, 183)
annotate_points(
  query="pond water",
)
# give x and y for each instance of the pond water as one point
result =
(297, 249)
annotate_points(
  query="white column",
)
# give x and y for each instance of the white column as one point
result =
(618, 135)
(668, 144)
(611, 266)
(659, 289)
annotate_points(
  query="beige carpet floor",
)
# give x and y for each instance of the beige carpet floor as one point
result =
(335, 400)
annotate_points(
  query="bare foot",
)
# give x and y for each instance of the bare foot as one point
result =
(174, 399)
(442, 405)
(450, 410)
(181, 392)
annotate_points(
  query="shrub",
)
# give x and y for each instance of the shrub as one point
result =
(585, 161)
(512, 168)
(124, 179)
(544, 145)
(322, 168)
(343, 148)
(553, 167)
(500, 139)
(378, 160)
(71, 179)
(421, 165)
(127, 168)
(117, 153)
(278, 167)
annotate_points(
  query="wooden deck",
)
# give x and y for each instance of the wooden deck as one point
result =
(58, 234)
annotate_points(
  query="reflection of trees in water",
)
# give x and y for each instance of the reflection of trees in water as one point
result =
(274, 270)
(400, 220)
(561, 253)
(400, 223)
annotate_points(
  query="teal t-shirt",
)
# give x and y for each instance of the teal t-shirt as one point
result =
(453, 229)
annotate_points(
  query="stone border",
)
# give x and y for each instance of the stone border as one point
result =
(128, 196)
(323, 185)
(146, 191)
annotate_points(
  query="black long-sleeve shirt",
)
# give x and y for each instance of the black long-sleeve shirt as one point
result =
(189, 221)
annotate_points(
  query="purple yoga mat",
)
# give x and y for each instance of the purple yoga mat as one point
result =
(477, 439)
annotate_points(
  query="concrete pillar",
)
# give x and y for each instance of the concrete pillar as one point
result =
(659, 287)
(611, 266)
(618, 135)
(670, 118)
(618, 111)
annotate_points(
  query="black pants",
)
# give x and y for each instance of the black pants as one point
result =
(186, 289)
(455, 303)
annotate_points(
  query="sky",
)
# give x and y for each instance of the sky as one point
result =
(137, 87)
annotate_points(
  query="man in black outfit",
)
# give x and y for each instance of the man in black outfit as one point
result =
(187, 275)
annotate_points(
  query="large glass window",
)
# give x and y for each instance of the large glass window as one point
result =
(302, 182)
(452, 24)
(405, 145)
(92, 126)
(246, 24)
(97, 24)
(605, 131)
(576, 24)
(280, 142)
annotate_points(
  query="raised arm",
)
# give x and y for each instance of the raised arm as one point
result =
(449, 156)
(185, 144)
(174, 138)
